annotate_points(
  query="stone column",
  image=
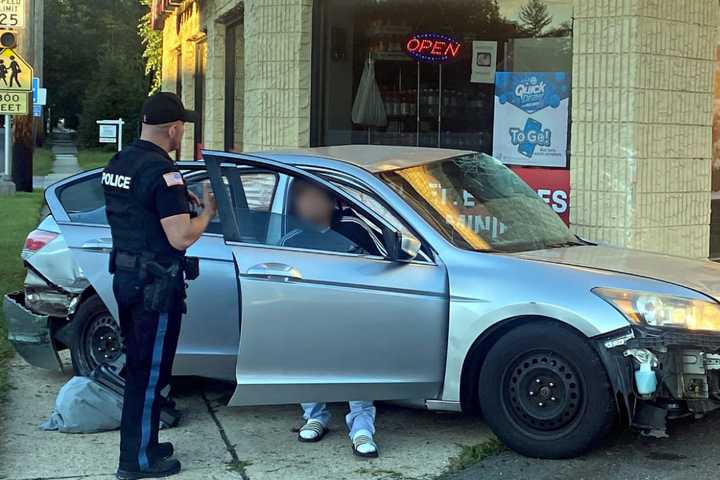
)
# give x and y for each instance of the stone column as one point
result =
(277, 73)
(641, 123)
(215, 87)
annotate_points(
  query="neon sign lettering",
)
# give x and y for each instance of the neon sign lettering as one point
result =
(433, 47)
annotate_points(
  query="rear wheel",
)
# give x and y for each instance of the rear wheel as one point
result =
(545, 393)
(96, 338)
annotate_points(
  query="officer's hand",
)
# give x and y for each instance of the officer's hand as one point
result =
(209, 202)
(194, 200)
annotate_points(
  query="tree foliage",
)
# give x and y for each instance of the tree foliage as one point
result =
(535, 17)
(152, 42)
(94, 66)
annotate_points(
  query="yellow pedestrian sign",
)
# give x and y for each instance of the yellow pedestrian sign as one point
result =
(15, 73)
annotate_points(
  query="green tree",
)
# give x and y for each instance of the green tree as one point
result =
(535, 17)
(94, 64)
(152, 42)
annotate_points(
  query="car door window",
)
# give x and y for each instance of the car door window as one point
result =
(313, 217)
(84, 200)
(371, 202)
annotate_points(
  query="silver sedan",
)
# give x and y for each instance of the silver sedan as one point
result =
(481, 300)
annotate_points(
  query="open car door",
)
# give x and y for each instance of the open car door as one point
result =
(324, 325)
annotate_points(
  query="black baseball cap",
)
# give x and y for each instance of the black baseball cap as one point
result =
(166, 107)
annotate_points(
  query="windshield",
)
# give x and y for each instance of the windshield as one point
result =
(478, 203)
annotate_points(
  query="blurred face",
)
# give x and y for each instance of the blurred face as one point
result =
(313, 205)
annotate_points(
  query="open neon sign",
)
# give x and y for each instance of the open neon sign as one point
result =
(433, 47)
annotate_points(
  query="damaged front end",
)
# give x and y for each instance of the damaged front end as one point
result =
(661, 374)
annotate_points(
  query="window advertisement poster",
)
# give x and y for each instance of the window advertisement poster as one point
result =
(531, 118)
(552, 185)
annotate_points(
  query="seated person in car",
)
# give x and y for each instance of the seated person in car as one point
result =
(321, 223)
(318, 222)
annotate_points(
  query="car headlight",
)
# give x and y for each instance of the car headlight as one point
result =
(658, 310)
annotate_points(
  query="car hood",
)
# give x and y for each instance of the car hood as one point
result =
(699, 275)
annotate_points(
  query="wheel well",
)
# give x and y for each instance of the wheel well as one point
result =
(87, 293)
(476, 356)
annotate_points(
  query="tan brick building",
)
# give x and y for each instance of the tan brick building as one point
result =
(285, 73)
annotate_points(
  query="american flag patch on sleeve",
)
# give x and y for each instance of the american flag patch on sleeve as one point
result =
(173, 179)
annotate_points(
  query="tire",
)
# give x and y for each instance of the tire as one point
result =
(545, 393)
(95, 338)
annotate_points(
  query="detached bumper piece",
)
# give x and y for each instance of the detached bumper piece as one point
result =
(662, 374)
(29, 333)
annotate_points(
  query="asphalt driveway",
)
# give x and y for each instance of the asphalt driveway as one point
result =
(690, 453)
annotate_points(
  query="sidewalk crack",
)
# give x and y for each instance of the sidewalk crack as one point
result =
(236, 464)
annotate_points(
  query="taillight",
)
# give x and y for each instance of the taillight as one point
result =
(37, 240)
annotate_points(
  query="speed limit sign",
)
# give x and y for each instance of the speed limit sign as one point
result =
(12, 13)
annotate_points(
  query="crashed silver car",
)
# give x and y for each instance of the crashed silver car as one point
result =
(484, 300)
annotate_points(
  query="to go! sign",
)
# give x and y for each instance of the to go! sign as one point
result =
(433, 48)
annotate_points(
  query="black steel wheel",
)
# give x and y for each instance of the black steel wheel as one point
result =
(545, 393)
(96, 338)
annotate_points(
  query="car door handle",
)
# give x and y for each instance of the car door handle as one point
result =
(270, 270)
(98, 244)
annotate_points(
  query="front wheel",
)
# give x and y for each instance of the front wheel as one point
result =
(95, 338)
(545, 393)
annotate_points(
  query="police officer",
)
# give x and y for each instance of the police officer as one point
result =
(148, 208)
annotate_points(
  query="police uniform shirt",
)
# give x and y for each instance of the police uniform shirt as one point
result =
(142, 185)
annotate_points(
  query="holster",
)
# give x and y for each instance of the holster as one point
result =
(191, 265)
(162, 286)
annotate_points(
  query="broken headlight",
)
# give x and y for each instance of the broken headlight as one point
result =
(659, 310)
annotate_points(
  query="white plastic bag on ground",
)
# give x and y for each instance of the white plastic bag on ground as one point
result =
(85, 406)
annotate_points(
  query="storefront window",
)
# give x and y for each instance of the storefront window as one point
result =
(423, 72)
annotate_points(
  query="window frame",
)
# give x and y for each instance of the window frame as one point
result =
(216, 161)
(334, 176)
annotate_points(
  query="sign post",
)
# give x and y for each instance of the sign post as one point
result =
(111, 131)
(16, 82)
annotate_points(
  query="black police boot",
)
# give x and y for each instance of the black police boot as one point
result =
(165, 450)
(159, 469)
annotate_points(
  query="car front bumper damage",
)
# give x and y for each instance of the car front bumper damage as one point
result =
(659, 374)
(30, 333)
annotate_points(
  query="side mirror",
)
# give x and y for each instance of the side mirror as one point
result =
(408, 246)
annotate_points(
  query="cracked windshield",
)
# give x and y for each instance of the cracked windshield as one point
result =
(479, 204)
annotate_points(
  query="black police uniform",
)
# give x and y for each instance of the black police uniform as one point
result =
(143, 186)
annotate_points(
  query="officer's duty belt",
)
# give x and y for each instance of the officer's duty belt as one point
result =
(133, 262)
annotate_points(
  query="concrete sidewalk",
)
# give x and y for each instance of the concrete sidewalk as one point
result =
(217, 442)
(65, 161)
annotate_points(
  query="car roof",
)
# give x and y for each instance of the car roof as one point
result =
(375, 158)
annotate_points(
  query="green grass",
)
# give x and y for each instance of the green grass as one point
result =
(94, 157)
(472, 454)
(42, 162)
(18, 216)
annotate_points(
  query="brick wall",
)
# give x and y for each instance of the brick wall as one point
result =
(641, 123)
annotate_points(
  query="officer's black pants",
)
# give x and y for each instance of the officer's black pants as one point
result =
(151, 340)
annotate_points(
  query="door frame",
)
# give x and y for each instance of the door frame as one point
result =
(214, 161)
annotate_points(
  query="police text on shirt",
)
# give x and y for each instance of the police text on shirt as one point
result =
(118, 181)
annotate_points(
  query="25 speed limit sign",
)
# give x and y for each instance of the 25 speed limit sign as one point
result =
(12, 13)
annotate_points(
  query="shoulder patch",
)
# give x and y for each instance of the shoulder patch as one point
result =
(173, 179)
